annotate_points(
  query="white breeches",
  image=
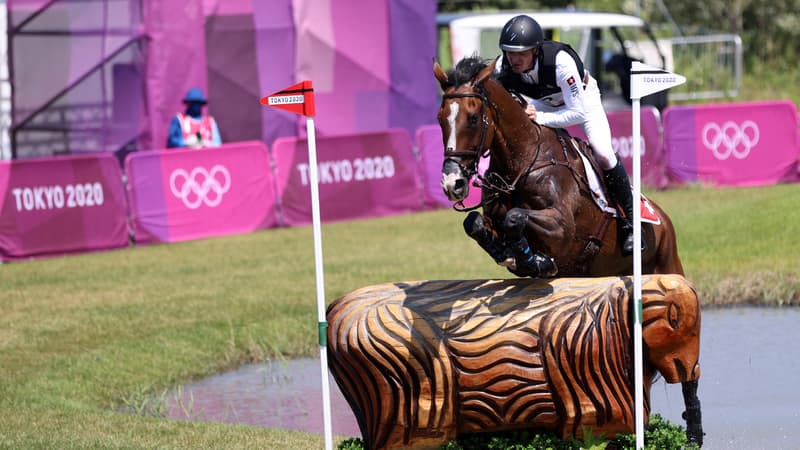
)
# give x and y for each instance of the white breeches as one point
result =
(596, 127)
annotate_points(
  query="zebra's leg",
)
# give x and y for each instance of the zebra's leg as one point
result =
(692, 416)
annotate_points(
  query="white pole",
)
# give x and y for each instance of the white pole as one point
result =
(645, 80)
(637, 275)
(318, 268)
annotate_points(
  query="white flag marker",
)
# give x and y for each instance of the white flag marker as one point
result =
(645, 80)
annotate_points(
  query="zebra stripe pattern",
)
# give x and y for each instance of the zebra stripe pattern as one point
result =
(421, 362)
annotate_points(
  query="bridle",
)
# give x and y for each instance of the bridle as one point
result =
(494, 182)
(476, 152)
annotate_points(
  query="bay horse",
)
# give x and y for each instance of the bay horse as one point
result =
(539, 216)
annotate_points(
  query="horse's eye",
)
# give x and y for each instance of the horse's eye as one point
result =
(473, 120)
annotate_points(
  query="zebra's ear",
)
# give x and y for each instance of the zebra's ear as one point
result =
(483, 75)
(440, 75)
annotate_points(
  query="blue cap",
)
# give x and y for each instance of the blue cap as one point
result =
(195, 95)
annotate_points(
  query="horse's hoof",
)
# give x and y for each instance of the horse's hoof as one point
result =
(550, 273)
(509, 263)
(546, 265)
(537, 265)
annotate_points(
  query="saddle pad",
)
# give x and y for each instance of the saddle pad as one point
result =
(598, 195)
(648, 212)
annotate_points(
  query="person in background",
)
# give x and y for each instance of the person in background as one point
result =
(192, 128)
(563, 93)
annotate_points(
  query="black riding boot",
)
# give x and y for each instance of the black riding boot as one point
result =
(619, 188)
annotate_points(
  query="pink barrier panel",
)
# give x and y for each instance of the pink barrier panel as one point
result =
(61, 205)
(431, 153)
(733, 144)
(653, 160)
(364, 175)
(178, 195)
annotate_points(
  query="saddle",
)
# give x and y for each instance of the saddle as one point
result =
(594, 181)
(592, 185)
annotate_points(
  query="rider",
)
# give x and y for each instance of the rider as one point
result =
(563, 93)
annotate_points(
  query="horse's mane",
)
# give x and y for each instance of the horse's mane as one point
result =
(465, 70)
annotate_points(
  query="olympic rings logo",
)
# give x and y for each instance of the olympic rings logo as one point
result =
(200, 186)
(735, 139)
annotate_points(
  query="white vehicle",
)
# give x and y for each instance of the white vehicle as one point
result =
(607, 43)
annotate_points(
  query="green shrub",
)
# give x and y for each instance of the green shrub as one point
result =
(659, 435)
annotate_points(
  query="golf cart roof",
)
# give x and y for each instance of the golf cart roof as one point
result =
(547, 19)
(477, 32)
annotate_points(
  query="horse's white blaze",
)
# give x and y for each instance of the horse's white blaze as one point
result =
(449, 179)
(451, 119)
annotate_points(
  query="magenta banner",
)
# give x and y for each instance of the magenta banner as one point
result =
(360, 176)
(733, 144)
(431, 153)
(61, 205)
(178, 195)
(653, 161)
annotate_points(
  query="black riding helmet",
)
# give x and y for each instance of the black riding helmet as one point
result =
(521, 33)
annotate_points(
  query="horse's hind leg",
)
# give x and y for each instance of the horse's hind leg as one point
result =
(530, 263)
(475, 228)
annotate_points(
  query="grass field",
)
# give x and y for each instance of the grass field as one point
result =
(84, 337)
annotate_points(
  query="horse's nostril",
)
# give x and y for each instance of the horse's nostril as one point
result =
(460, 184)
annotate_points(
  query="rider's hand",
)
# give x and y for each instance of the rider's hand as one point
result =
(530, 110)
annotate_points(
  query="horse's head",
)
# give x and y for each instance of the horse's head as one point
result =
(466, 118)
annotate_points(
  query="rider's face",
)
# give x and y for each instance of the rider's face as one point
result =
(520, 61)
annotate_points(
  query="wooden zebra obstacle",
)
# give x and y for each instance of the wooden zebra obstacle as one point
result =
(425, 361)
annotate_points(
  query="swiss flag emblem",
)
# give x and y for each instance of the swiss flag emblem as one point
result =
(648, 212)
(571, 81)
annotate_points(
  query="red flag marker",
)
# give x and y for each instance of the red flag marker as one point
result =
(298, 98)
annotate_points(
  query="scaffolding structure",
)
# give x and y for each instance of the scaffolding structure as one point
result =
(77, 72)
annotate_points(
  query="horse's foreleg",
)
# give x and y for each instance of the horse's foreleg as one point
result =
(528, 262)
(692, 416)
(475, 228)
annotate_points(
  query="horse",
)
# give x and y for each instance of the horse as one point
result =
(540, 217)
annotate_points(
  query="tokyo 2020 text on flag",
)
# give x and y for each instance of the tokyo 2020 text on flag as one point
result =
(297, 98)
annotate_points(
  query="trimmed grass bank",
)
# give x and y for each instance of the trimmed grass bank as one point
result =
(84, 336)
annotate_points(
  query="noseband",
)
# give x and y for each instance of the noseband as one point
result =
(455, 155)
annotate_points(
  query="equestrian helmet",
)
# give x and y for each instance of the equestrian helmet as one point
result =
(521, 33)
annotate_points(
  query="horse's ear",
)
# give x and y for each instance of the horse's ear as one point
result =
(440, 75)
(485, 73)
